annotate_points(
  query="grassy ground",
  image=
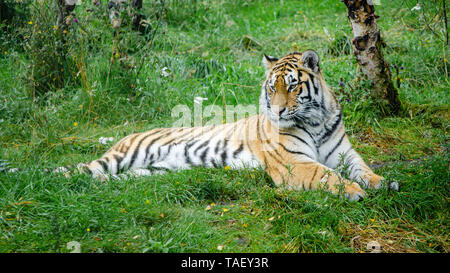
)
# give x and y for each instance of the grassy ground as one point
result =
(112, 85)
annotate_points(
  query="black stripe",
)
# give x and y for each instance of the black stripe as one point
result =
(170, 148)
(133, 157)
(293, 152)
(159, 152)
(274, 157)
(349, 159)
(351, 168)
(213, 161)
(151, 168)
(290, 66)
(149, 146)
(88, 170)
(238, 151)
(216, 149)
(297, 137)
(201, 146)
(170, 133)
(186, 151)
(335, 147)
(329, 132)
(150, 160)
(306, 131)
(316, 89)
(118, 159)
(308, 87)
(224, 153)
(130, 139)
(203, 155)
(136, 150)
(356, 170)
(104, 165)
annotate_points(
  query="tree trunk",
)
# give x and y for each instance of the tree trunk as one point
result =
(64, 10)
(115, 6)
(137, 5)
(64, 17)
(367, 48)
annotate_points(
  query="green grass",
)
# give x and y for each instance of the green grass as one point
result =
(202, 46)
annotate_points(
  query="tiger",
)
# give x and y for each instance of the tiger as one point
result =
(298, 138)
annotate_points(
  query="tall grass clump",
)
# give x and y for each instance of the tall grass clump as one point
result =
(13, 16)
(50, 66)
(86, 47)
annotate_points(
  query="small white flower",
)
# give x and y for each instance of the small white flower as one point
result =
(105, 140)
(416, 7)
(164, 72)
(323, 232)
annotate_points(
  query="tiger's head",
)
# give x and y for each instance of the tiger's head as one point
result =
(295, 91)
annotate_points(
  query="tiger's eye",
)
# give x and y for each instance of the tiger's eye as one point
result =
(292, 87)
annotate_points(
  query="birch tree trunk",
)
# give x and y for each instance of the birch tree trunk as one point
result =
(115, 6)
(367, 48)
(64, 9)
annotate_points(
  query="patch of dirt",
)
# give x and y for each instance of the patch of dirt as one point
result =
(364, 238)
(382, 141)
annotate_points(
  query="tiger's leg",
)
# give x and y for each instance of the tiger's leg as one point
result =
(109, 165)
(95, 168)
(313, 175)
(99, 169)
(341, 154)
(91, 168)
(360, 172)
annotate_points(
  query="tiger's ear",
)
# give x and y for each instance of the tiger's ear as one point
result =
(310, 60)
(268, 61)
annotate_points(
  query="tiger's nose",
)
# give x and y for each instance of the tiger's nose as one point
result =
(282, 110)
(279, 110)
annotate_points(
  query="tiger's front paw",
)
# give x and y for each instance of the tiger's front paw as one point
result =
(377, 182)
(354, 192)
